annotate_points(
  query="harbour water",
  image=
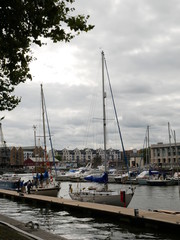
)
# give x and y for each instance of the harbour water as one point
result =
(65, 224)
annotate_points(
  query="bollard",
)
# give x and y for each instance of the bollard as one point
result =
(136, 212)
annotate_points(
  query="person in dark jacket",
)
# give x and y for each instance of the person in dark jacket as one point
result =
(29, 185)
(41, 179)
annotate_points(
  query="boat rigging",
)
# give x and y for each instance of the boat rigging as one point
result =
(104, 195)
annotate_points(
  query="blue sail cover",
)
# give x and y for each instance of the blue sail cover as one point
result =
(45, 175)
(151, 172)
(102, 179)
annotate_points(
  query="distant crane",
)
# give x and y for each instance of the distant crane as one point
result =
(4, 156)
(3, 143)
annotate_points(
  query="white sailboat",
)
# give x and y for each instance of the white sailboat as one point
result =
(47, 187)
(104, 195)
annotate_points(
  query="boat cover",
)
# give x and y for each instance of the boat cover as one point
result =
(101, 179)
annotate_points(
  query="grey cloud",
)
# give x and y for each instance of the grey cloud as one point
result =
(141, 43)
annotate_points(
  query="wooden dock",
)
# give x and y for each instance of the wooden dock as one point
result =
(157, 219)
(13, 229)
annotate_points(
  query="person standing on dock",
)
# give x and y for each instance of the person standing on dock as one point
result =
(36, 182)
(29, 185)
(41, 179)
(23, 190)
(19, 184)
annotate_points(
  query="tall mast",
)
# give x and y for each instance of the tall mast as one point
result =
(45, 115)
(169, 131)
(43, 118)
(119, 130)
(50, 139)
(104, 111)
(148, 160)
(146, 163)
(34, 127)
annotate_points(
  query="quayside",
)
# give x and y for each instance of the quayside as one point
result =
(158, 220)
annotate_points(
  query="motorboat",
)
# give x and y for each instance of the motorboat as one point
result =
(10, 181)
(145, 175)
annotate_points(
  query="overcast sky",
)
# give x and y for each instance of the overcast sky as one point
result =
(141, 42)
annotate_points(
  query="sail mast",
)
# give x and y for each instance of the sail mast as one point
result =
(34, 127)
(104, 111)
(50, 139)
(116, 116)
(43, 118)
(169, 132)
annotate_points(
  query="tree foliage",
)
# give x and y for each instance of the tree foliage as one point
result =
(27, 22)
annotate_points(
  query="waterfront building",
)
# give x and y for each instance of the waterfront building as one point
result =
(19, 154)
(32, 151)
(32, 163)
(16, 157)
(4, 156)
(88, 155)
(136, 159)
(167, 155)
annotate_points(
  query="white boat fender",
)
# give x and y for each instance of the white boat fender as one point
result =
(132, 189)
(70, 188)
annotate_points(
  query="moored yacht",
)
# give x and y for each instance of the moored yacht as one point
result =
(10, 181)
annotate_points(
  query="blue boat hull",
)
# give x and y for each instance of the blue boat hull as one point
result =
(9, 185)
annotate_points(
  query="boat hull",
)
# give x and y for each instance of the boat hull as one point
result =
(161, 182)
(118, 179)
(51, 191)
(102, 197)
(62, 178)
(142, 181)
(9, 185)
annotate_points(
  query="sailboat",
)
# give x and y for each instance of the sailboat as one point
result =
(46, 185)
(163, 179)
(104, 195)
